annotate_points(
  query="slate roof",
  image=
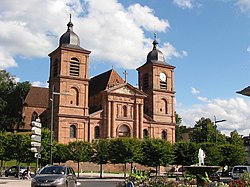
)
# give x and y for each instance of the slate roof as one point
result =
(37, 97)
(103, 81)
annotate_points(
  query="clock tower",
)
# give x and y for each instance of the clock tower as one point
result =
(156, 79)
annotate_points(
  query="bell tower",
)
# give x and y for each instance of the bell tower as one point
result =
(156, 79)
(68, 80)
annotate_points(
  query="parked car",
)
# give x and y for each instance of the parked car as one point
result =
(239, 170)
(12, 171)
(215, 176)
(56, 176)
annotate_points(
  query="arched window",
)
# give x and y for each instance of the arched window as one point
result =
(72, 131)
(125, 111)
(97, 132)
(124, 131)
(164, 106)
(74, 96)
(164, 135)
(34, 116)
(74, 67)
(145, 133)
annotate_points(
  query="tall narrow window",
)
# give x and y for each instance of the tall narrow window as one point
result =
(125, 111)
(74, 67)
(145, 81)
(145, 133)
(74, 96)
(164, 135)
(97, 132)
(55, 68)
(72, 131)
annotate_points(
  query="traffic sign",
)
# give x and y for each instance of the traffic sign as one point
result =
(36, 138)
(36, 144)
(36, 130)
(36, 124)
(34, 149)
(37, 155)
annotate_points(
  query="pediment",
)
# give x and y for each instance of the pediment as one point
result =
(125, 90)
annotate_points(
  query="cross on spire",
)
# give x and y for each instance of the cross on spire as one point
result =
(125, 75)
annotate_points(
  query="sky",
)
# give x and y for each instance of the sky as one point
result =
(208, 41)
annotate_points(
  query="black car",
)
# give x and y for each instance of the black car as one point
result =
(12, 171)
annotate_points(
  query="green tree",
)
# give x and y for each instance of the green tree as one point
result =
(123, 150)
(213, 155)
(80, 152)
(156, 152)
(232, 155)
(61, 153)
(101, 153)
(185, 153)
(12, 95)
(45, 142)
(235, 139)
(206, 131)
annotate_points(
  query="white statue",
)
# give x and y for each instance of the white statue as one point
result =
(201, 156)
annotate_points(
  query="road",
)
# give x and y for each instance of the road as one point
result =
(14, 182)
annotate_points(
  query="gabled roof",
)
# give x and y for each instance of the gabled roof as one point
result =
(103, 81)
(37, 97)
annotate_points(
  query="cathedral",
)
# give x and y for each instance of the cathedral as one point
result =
(77, 107)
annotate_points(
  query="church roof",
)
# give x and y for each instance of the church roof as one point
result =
(37, 97)
(155, 55)
(103, 81)
(69, 37)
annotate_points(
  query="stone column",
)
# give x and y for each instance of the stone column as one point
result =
(108, 119)
(136, 125)
(140, 121)
(113, 119)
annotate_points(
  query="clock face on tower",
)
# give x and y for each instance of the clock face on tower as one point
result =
(163, 77)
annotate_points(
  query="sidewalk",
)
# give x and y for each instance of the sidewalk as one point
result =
(13, 182)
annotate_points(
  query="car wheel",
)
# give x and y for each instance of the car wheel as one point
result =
(6, 175)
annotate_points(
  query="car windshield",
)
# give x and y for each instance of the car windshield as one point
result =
(53, 170)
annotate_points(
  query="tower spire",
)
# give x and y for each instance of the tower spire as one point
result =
(70, 24)
(155, 43)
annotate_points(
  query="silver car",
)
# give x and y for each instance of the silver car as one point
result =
(56, 176)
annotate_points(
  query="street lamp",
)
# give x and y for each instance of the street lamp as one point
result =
(52, 118)
(215, 122)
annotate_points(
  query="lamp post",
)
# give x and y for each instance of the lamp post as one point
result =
(215, 122)
(52, 119)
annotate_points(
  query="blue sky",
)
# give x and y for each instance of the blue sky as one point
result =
(207, 41)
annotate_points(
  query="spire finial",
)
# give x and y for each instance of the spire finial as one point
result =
(70, 24)
(155, 41)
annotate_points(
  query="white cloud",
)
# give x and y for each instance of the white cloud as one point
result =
(194, 91)
(112, 32)
(184, 3)
(235, 111)
(170, 51)
(244, 5)
(6, 60)
(40, 84)
(203, 99)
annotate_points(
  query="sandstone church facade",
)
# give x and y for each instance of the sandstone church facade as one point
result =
(105, 106)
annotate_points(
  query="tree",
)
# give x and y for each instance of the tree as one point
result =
(235, 138)
(61, 153)
(213, 155)
(185, 153)
(101, 153)
(232, 155)
(12, 95)
(156, 152)
(205, 131)
(80, 152)
(123, 150)
(45, 142)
